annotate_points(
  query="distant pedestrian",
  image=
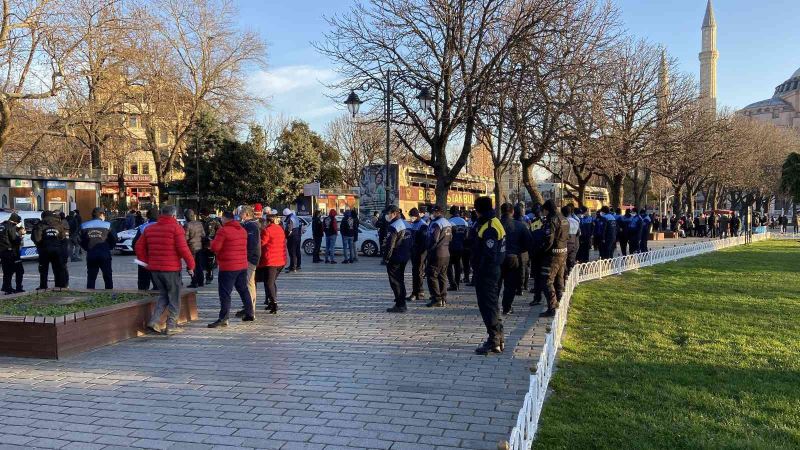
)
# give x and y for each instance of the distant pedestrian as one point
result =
(230, 246)
(210, 225)
(162, 246)
(348, 229)
(317, 234)
(74, 220)
(195, 235)
(98, 239)
(253, 228)
(11, 235)
(294, 232)
(330, 228)
(273, 260)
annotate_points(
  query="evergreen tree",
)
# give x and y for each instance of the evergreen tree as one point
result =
(297, 161)
(790, 177)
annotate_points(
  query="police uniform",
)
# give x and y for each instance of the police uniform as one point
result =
(488, 255)
(623, 222)
(454, 268)
(572, 243)
(535, 256)
(647, 224)
(634, 233)
(517, 242)
(97, 240)
(419, 255)
(10, 243)
(466, 253)
(440, 234)
(398, 252)
(609, 235)
(554, 258)
(292, 228)
(51, 241)
(585, 240)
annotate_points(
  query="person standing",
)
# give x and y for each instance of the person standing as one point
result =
(488, 255)
(469, 242)
(50, 238)
(608, 233)
(210, 225)
(634, 232)
(524, 255)
(517, 241)
(647, 225)
(712, 225)
(459, 229)
(195, 235)
(162, 246)
(273, 260)
(623, 232)
(330, 228)
(316, 234)
(419, 252)
(736, 224)
(535, 251)
(294, 232)
(251, 225)
(98, 239)
(568, 212)
(556, 235)
(74, 221)
(143, 275)
(11, 234)
(398, 252)
(230, 246)
(348, 231)
(587, 227)
(440, 233)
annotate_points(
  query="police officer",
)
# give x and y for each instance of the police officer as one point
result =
(398, 252)
(587, 230)
(419, 253)
(469, 243)
(440, 234)
(517, 241)
(293, 229)
(10, 242)
(647, 225)
(568, 212)
(143, 276)
(623, 222)
(554, 251)
(488, 255)
(536, 256)
(50, 238)
(608, 233)
(524, 255)
(97, 240)
(454, 268)
(634, 232)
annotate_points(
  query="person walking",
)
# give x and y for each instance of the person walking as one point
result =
(454, 267)
(517, 240)
(440, 233)
(51, 241)
(195, 235)
(398, 252)
(294, 232)
(556, 235)
(11, 235)
(98, 239)
(488, 254)
(330, 228)
(419, 253)
(161, 247)
(252, 226)
(348, 230)
(317, 234)
(230, 246)
(143, 275)
(273, 260)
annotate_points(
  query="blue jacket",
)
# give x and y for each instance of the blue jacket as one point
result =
(253, 241)
(459, 233)
(440, 234)
(97, 239)
(398, 242)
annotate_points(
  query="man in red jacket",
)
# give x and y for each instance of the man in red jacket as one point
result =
(161, 247)
(230, 246)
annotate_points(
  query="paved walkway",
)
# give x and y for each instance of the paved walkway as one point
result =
(331, 370)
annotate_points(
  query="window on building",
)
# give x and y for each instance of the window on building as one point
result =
(145, 168)
(134, 169)
(775, 114)
(164, 136)
(133, 121)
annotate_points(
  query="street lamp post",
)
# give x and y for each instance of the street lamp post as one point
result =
(353, 103)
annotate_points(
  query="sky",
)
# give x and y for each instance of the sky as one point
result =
(758, 43)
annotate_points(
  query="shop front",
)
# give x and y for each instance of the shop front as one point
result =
(55, 196)
(21, 195)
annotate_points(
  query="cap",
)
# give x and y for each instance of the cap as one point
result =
(258, 208)
(287, 212)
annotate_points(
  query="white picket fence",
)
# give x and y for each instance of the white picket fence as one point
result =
(524, 432)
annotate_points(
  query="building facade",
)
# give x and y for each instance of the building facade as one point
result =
(783, 109)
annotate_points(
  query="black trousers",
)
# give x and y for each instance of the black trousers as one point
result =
(466, 255)
(437, 278)
(583, 251)
(643, 245)
(538, 283)
(317, 248)
(572, 255)
(623, 246)
(487, 281)
(199, 268)
(633, 244)
(143, 279)
(269, 275)
(553, 268)
(525, 271)
(397, 281)
(12, 267)
(228, 281)
(94, 265)
(52, 258)
(454, 269)
(209, 261)
(418, 265)
(293, 245)
(510, 278)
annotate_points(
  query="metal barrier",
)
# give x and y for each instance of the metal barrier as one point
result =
(523, 434)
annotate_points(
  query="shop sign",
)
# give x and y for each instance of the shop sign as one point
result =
(21, 183)
(55, 184)
(84, 186)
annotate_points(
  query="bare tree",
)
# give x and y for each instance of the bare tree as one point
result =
(361, 144)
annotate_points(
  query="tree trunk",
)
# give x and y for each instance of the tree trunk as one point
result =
(581, 191)
(616, 190)
(123, 196)
(676, 199)
(690, 200)
(498, 189)
(530, 185)
(443, 183)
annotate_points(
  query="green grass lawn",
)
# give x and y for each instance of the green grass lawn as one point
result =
(700, 353)
(46, 303)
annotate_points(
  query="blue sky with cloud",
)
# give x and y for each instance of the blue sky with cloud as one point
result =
(757, 41)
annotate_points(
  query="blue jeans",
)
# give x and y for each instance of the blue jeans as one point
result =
(227, 281)
(330, 248)
(348, 248)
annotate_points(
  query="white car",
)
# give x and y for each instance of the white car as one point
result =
(125, 239)
(367, 239)
(29, 219)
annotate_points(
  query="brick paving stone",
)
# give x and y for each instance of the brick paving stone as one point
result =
(331, 369)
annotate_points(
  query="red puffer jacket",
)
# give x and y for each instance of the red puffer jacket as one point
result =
(273, 246)
(163, 245)
(230, 246)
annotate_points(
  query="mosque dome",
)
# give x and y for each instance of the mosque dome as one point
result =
(790, 85)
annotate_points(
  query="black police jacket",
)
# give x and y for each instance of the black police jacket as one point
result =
(398, 242)
(489, 250)
(10, 237)
(556, 235)
(50, 234)
(316, 227)
(518, 236)
(97, 238)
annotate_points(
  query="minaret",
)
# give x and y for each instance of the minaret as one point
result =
(708, 60)
(663, 85)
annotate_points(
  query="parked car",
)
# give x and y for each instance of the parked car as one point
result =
(125, 239)
(29, 219)
(367, 239)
